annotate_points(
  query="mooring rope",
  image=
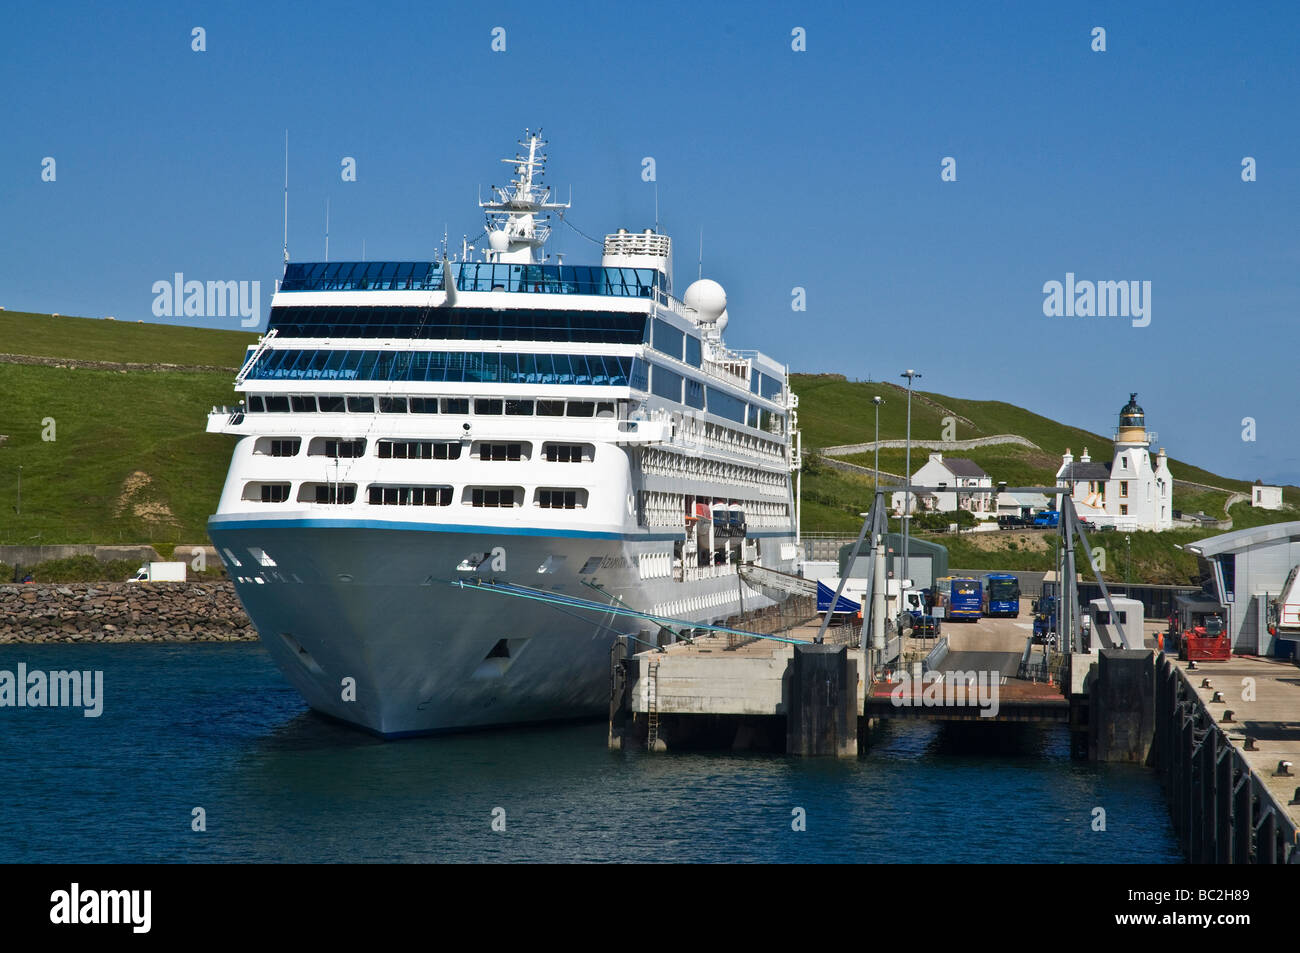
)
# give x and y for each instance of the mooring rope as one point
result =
(541, 595)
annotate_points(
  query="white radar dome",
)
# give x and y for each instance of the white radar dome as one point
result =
(499, 240)
(707, 298)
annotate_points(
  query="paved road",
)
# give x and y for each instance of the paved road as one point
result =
(1008, 663)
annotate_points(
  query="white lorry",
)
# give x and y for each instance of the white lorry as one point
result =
(160, 572)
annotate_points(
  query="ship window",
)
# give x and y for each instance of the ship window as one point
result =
(492, 496)
(424, 405)
(723, 404)
(668, 339)
(582, 408)
(605, 408)
(285, 448)
(553, 499)
(693, 356)
(550, 408)
(255, 404)
(331, 404)
(567, 452)
(490, 407)
(410, 495)
(502, 451)
(455, 405)
(277, 405)
(302, 405)
(519, 408)
(694, 394)
(269, 492)
(332, 493)
(341, 493)
(418, 450)
(337, 448)
(666, 384)
(361, 405)
(392, 405)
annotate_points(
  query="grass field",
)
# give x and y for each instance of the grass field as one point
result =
(834, 411)
(129, 463)
(90, 339)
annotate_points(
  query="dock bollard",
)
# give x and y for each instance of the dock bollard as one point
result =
(1284, 769)
(1250, 744)
(1217, 698)
(1227, 715)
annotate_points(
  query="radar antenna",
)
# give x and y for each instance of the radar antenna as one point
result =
(518, 217)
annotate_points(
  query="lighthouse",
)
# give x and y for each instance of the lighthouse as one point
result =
(1135, 491)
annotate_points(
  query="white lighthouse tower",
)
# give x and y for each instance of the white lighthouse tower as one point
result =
(1135, 492)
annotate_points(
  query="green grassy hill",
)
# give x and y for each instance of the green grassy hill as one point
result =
(834, 412)
(90, 339)
(130, 460)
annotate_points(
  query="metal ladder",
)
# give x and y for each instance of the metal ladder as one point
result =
(652, 704)
(262, 346)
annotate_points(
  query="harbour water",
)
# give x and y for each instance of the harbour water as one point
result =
(216, 727)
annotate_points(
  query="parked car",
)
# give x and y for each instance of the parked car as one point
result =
(926, 626)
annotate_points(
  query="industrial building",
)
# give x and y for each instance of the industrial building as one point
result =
(1252, 573)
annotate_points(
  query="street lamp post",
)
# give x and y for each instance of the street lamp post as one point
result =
(1128, 564)
(877, 400)
(907, 489)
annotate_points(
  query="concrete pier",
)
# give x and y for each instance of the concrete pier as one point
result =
(1221, 756)
(721, 692)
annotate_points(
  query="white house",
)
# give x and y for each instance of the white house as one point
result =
(1266, 497)
(1131, 492)
(954, 472)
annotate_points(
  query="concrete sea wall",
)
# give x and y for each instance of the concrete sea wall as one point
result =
(123, 612)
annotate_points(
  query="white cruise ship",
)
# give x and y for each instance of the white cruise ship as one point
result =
(550, 428)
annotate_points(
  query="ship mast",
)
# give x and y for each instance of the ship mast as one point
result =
(518, 218)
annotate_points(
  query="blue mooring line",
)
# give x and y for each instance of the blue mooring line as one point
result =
(539, 595)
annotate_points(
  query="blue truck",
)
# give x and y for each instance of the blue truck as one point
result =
(1048, 518)
(966, 600)
(1003, 595)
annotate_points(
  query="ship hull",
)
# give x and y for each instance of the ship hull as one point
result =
(372, 625)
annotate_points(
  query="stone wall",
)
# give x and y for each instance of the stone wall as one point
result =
(845, 450)
(123, 612)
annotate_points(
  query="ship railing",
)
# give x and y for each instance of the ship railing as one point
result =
(693, 573)
(724, 371)
(234, 415)
(668, 302)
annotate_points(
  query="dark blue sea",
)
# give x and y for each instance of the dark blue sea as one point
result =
(216, 727)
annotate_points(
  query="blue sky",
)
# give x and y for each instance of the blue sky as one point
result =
(817, 169)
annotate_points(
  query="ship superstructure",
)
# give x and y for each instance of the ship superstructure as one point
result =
(577, 429)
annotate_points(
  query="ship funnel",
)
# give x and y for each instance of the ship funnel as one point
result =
(647, 249)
